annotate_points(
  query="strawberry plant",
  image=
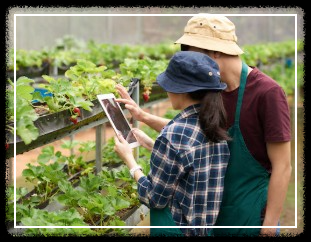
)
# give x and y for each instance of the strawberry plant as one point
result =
(90, 80)
(77, 162)
(144, 69)
(25, 114)
(90, 202)
(65, 95)
(69, 217)
(109, 156)
(26, 59)
(45, 176)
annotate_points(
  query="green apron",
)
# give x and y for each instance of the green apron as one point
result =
(163, 217)
(246, 182)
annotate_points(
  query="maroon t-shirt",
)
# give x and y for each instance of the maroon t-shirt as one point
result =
(265, 115)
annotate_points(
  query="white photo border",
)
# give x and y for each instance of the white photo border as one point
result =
(190, 15)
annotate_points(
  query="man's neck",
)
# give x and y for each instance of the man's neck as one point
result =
(231, 73)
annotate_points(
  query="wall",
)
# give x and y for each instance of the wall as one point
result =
(37, 32)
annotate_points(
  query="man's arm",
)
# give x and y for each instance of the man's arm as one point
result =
(280, 156)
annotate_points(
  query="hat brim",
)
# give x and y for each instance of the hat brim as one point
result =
(209, 43)
(170, 85)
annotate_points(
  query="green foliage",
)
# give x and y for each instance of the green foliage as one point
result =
(144, 69)
(26, 59)
(89, 76)
(171, 113)
(267, 53)
(109, 156)
(98, 200)
(68, 217)
(25, 114)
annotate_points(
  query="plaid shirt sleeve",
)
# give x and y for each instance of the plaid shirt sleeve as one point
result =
(156, 189)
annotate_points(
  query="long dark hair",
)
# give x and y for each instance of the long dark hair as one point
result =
(213, 116)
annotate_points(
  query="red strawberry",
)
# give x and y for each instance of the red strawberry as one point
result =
(145, 97)
(77, 111)
(146, 93)
(6, 146)
(74, 119)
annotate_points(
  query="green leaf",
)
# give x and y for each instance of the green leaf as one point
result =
(65, 186)
(47, 153)
(51, 104)
(68, 144)
(117, 222)
(80, 102)
(119, 203)
(27, 131)
(48, 78)
(35, 199)
(23, 81)
(87, 146)
(24, 92)
(37, 96)
(28, 173)
(90, 183)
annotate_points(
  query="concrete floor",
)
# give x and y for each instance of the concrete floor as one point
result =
(142, 231)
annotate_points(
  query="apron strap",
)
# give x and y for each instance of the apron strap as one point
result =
(243, 79)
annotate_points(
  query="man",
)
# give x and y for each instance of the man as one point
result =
(259, 169)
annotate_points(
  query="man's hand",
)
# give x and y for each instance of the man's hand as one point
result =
(268, 232)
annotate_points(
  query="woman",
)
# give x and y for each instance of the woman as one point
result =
(190, 156)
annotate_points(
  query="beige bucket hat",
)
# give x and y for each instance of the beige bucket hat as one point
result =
(211, 32)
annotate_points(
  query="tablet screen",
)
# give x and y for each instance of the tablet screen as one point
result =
(118, 119)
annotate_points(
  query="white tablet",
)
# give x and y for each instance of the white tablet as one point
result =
(117, 118)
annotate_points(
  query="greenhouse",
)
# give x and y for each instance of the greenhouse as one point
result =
(65, 175)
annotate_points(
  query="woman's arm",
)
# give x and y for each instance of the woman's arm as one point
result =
(143, 139)
(153, 121)
(125, 152)
(156, 189)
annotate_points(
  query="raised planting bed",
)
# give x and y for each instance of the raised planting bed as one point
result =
(55, 126)
(131, 218)
(100, 200)
(30, 72)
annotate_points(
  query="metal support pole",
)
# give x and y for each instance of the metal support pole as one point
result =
(71, 141)
(54, 70)
(98, 148)
(104, 140)
(135, 97)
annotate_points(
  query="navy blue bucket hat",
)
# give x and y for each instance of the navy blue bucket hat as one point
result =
(190, 71)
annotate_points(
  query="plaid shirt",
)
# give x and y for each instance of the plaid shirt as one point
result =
(186, 173)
